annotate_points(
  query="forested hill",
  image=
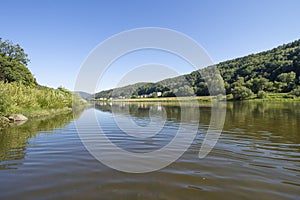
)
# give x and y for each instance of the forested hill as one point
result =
(274, 71)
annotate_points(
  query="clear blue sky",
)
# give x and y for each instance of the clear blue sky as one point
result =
(58, 34)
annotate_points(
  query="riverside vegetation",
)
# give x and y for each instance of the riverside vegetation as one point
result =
(269, 75)
(20, 92)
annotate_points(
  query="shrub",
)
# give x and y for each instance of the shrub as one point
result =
(168, 94)
(261, 94)
(229, 96)
(241, 92)
(296, 91)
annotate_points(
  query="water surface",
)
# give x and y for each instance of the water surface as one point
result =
(257, 156)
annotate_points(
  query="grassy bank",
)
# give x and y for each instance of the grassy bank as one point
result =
(266, 97)
(276, 97)
(164, 99)
(35, 101)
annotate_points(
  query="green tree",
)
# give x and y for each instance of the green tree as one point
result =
(202, 89)
(185, 91)
(239, 82)
(257, 84)
(13, 52)
(296, 91)
(288, 79)
(12, 71)
(241, 92)
(261, 94)
(13, 62)
(168, 94)
(276, 70)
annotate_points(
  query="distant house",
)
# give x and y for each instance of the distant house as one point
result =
(158, 94)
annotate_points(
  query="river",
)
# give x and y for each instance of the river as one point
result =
(257, 155)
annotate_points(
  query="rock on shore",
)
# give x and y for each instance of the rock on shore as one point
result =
(17, 117)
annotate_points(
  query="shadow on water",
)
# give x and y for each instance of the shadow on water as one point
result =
(14, 140)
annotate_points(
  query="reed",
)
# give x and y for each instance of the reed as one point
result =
(19, 98)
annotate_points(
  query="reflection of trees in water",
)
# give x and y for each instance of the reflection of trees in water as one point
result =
(278, 118)
(14, 140)
(142, 109)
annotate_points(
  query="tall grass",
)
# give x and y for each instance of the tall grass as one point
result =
(18, 98)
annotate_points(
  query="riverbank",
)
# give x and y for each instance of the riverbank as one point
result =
(284, 97)
(34, 101)
(42, 114)
(165, 99)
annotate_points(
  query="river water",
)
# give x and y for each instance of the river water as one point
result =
(257, 155)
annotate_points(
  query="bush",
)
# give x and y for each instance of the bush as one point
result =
(241, 92)
(261, 94)
(168, 94)
(229, 96)
(296, 91)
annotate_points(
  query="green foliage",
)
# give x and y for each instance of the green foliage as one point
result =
(154, 95)
(229, 96)
(13, 63)
(276, 70)
(3, 103)
(289, 96)
(257, 84)
(287, 80)
(261, 94)
(168, 94)
(13, 52)
(127, 91)
(19, 91)
(296, 91)
(241, 93)
(287, 77)
(185, 91)
(12, 71)
(16, 97)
